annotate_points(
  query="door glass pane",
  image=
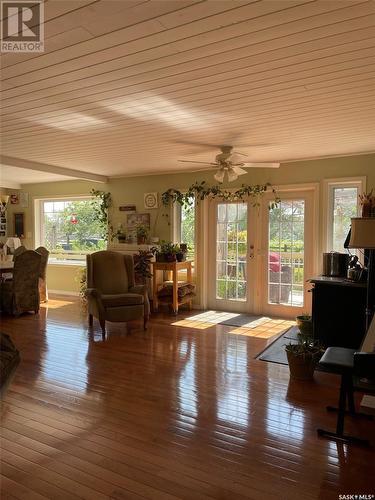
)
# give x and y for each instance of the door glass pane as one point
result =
(231, 251)
(286, 253)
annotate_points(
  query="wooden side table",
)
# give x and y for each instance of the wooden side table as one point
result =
(174, 267)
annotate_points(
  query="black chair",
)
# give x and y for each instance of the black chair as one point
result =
(357, 370)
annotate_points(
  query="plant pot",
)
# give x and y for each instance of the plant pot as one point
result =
(305, 326)
(121, 239)
(141, 240)
(170, 257)
(160, 257)
(302, 367)
(181, 257)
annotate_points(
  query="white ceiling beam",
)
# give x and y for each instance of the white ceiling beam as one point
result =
(52, 169)
(7, 184)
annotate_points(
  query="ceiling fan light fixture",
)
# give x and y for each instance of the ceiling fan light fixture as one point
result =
(219, 176)
(232, 175)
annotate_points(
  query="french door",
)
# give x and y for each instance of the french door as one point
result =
(260, 258)
(231, 254)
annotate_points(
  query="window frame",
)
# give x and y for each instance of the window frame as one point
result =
(39, 226)
(329, 186)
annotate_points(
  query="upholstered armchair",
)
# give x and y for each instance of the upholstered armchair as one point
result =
(111, 291)
(21, 294)
(18, 251)
(43, 292)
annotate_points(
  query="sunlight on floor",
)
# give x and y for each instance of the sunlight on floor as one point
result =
(56, 303)
(265, 330)
(188, 323)
(253, 326)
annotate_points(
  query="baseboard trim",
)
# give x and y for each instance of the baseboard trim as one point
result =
(64, 292)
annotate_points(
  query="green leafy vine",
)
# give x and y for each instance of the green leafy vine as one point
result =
(102, 212)
(201, 190)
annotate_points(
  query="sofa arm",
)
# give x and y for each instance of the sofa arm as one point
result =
(142, 290)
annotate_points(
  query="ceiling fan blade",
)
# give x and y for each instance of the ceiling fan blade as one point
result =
(238, 153)
(253, 164)
(200, 170)
(202, 162)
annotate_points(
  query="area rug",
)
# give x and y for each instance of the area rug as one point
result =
(275, 352)
(229, 319)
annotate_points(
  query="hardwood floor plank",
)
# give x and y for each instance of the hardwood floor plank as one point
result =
(12, 489)
(174, 412)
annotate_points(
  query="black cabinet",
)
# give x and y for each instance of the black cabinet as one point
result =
(338, 311)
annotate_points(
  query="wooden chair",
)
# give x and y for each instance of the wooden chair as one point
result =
(43, 291)
(111, 291)
(357, 370)
(21, 294)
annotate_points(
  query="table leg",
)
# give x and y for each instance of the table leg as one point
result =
(175, 292)
(188, 276)
(155, 304)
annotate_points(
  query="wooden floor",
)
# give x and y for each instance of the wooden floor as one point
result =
(180, 411)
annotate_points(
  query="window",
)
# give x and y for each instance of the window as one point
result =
(184, 227)
(69, 228)
(343, 204)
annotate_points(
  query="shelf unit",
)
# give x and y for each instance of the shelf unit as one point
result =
(174, 268)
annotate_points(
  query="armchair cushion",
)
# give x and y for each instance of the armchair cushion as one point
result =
(122, 299)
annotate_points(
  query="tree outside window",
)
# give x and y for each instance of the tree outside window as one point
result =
(71, 228)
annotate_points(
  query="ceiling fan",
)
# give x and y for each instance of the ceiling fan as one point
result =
(231, 162)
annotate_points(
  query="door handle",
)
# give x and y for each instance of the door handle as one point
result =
(251, 254)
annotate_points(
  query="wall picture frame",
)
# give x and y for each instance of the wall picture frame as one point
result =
(127, 208)
(135, 219)
(19, 225)
(151, 200)
(24, 200)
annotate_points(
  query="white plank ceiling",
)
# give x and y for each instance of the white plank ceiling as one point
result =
(123, 84)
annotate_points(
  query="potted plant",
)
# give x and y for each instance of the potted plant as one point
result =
(142, 232)
(303, 357)
(120, 234)
(81, 278)
(305, 325)
(142, 265)
(166, 252)
(181, 253)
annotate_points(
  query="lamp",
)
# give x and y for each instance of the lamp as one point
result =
(232, 175)
(363, 236)
(219, 176)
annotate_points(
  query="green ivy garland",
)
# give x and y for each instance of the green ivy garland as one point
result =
(200, 191)
(102, 211)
